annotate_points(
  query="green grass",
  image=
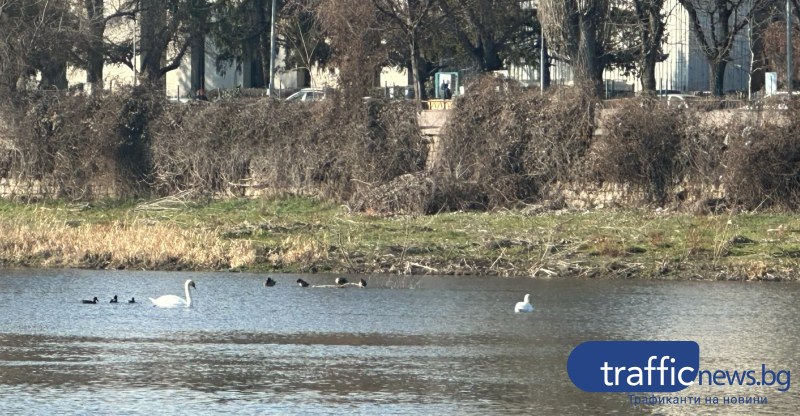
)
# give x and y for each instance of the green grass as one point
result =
(300, 234)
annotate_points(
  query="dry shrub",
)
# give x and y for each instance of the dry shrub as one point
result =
(54, 136)
(640, 147)
(133, 143)
(204, 147)
(503, 144)
(226, 147)
(703, 146)
(76, 144)
(406, 194)
(763, 163)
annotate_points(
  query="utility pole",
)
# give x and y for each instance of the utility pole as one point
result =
(542, 63)
(272, 51)
(789, 47)
(134, 51)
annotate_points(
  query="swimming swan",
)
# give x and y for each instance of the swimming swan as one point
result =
(172, 301)
(524, 306)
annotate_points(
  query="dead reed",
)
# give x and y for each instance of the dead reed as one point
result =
(137, 244)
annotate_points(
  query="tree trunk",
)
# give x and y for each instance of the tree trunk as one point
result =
(718, 71)
(415, 67)
(490, 56)
(95, 60)
(759, 62)
(153, 52)
(424, 74)
(198, 70)
(587, 66)
(252, 71)
(648, 75)
(651, 32)
(54, 75)
(545, 55)
(197, 47)
(264, 44)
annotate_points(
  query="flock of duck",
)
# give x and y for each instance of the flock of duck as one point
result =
(172, 301)
(113, 300)
(339, 282)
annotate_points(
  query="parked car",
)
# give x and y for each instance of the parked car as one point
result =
(307, 94)
(681, 100)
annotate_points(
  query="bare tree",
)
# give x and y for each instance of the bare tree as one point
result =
(95, 10)
(651, 20)
(163, 38)
(354, 33)
(716, 23)
(774, 39)
(574, 30)
(408, 16)
(92, 48)
(490, 30)
(303, 37)
(36, 36)
(17, 39)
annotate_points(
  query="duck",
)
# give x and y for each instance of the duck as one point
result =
(172, 301)
(269, 282)
(114, 299)
(340, 281)
(133, 300)
(524, 306)
(90, 301)
(302, 283)
(362, 284)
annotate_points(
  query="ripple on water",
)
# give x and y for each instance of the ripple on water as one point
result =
(450, 345)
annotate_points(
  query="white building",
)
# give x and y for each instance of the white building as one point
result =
(179, 80)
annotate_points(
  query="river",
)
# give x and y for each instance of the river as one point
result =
(403, 345)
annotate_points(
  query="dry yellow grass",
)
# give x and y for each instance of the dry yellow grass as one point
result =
(300, 249)
(138, 244)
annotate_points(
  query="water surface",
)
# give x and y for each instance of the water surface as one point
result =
(403, 345)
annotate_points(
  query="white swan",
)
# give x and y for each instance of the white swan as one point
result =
(172, 301)
(524, 306)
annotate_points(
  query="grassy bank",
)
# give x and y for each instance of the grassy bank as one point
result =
(305, 235)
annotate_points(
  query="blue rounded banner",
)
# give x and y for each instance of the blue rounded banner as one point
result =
(634, 366)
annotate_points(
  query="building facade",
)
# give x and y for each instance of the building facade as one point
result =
(685, 68)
